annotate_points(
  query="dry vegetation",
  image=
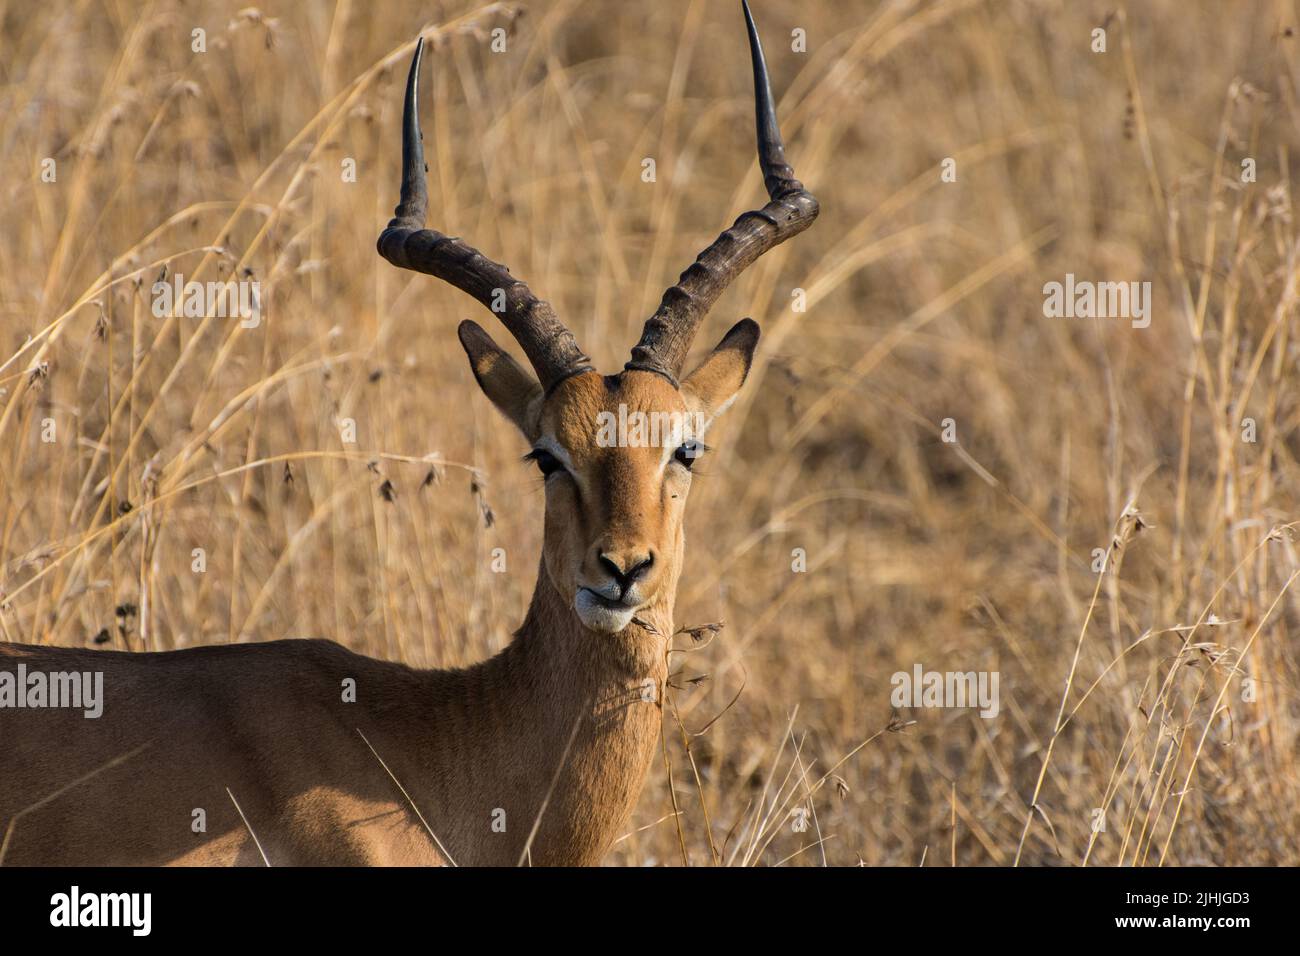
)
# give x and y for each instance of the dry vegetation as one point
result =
(924, 302)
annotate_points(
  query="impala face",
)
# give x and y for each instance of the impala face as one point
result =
(613, 511)
(613, 508)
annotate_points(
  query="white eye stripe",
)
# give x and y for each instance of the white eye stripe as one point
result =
(687, 435)
(548, 444)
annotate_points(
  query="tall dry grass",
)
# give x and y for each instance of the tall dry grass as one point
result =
(1123, 693)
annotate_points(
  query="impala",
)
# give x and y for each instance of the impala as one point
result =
(302, 752)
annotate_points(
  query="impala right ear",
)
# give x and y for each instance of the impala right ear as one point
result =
(715, 383)
(503, 380)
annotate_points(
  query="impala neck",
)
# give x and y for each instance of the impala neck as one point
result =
(563, 723)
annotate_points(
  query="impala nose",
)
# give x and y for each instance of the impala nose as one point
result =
(626, 567)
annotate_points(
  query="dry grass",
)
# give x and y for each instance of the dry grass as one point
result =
(924, 302)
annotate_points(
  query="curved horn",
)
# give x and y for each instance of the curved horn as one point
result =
(667, 335)
(550, 347)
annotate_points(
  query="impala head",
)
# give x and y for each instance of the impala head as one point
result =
(616, 450)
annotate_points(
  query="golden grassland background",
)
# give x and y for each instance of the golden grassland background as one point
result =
(924, 302)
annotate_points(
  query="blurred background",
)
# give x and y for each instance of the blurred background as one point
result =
(168, 482)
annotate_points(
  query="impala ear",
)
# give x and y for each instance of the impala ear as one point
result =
(715, 383)
(507, 383)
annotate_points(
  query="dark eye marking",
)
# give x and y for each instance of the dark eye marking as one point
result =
(547, 463)
(689, 453)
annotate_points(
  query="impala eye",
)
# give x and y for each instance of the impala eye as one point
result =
(546, 462)
(688, 453)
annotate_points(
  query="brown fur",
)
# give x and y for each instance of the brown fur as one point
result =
(563, 712)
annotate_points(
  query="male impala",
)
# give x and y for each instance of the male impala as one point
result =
(536, 755)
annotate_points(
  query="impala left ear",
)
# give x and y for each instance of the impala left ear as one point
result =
(507, 383)
(719, 377)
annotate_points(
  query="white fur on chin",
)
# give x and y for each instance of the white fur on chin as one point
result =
(599, 617)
